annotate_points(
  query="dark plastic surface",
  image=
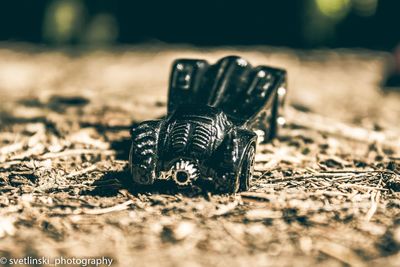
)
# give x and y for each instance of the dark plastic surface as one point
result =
(209, 132)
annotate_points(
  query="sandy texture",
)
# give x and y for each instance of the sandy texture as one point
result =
(326, 192)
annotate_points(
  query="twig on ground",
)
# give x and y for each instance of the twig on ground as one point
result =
(119, 207)
(74, 152)
(82, 172)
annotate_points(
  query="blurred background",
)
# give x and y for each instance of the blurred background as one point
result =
(305, 24)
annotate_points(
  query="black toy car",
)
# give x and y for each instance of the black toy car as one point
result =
(208, 134)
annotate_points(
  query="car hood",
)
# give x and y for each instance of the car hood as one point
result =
(194, 132)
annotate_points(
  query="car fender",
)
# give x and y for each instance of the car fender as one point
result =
(245, 139)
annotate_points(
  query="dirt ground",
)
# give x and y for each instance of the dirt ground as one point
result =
(326, 192)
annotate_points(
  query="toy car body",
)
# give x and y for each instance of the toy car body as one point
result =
(209, 131)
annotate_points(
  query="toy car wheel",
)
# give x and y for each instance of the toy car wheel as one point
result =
(142, 156)
(247, 167)
(226, 179)
(240, 180)
(144, 174)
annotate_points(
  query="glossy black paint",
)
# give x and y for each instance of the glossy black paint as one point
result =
(209, 131)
